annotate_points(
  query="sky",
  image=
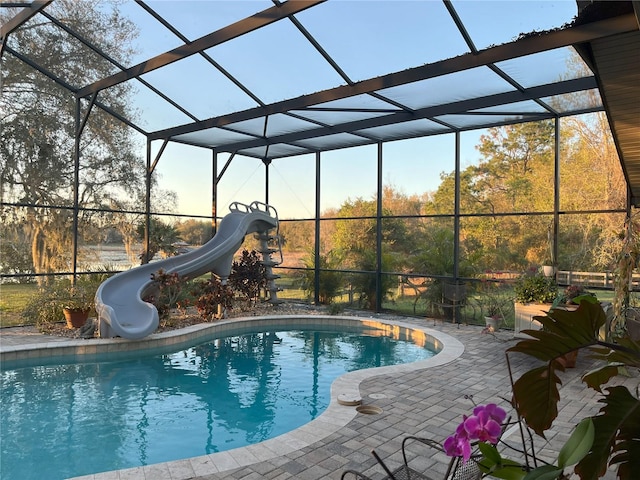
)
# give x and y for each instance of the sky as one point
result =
(366, 38)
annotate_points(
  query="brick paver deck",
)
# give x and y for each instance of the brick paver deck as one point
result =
(427, 403)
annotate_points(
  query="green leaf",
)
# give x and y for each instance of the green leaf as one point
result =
(599, 376)
(578, 444)
(509, 470)
(623, 351)
(617, 434)
(536, 397)
(494, 465)
(547, 472)
(490, 452)
(586, 297)
(536, 393)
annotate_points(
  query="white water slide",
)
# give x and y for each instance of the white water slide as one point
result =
(121, 310)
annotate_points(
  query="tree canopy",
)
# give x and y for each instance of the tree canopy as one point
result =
(37, 161)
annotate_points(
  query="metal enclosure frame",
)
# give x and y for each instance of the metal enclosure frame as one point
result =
(204, 132)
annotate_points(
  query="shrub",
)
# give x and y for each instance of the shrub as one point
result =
(365, 285)
(212, 294)
(248, 275)
(168, 288)
(572, 292)
(534, 287)
(336, 309)
(45, 307)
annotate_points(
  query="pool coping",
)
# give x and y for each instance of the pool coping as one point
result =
(335, 417)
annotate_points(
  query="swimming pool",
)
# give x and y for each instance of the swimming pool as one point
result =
(144, 410)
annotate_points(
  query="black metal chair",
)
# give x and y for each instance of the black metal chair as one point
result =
(456, 468)
(454, 297)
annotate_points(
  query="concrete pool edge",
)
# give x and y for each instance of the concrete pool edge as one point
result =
(335, 417)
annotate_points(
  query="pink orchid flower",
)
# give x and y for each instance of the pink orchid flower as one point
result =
(483, 425)
(493, 410)
(456, 446)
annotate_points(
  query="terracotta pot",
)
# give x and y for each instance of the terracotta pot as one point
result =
(76, 317)
(569, 359)
(633, 325)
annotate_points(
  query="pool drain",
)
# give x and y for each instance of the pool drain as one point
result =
(369, 409)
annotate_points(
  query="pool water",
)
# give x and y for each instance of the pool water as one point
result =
(61, 421)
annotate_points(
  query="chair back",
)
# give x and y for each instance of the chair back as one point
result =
(455, 292)
(465, 471)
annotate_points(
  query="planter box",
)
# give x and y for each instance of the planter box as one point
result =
(524, 313)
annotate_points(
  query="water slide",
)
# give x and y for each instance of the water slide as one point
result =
(121, 310)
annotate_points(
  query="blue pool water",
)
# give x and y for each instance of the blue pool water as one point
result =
(60, 421)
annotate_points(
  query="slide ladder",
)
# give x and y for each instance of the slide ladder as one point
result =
(271, 244)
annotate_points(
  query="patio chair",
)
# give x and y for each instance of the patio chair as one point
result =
(454, 296)
(456, 468)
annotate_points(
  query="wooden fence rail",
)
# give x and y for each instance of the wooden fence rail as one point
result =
(592, 279)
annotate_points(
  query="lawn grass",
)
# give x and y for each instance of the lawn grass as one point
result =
(13, 299)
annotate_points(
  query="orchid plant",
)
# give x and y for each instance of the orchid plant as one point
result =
(484, 428)
(608, 440)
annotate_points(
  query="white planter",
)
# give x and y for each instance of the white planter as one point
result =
(493, 323)
(548, 270)
(524, 313)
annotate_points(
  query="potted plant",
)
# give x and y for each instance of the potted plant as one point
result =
(534, 295)
(549, 265)
(493, 300)
(77, 302)
(605, 442)
(548, 270)
(569, 298)
(48, 305)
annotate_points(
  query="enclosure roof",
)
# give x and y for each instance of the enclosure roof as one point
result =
(270, 79)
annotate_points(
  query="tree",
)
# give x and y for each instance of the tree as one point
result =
(15, 257)
(162, 239)
(593, 240)
(128, 226)
(359, 235)
(331, 282)
(517, 171)
(194, 232)
(515, 175)
(37, 127)
(365, 284)
(297, 235)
